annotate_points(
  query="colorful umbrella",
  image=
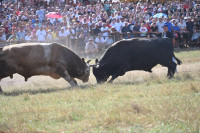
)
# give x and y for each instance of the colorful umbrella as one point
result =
(159, 15)
(54, 15)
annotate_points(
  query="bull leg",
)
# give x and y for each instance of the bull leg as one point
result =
(120, 72)
(171, 68)
(63, 73)
(71, 80)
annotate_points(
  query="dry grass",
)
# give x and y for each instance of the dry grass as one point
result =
(137, 102)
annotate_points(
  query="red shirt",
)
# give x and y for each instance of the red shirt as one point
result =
(148, 27)
(186, 6)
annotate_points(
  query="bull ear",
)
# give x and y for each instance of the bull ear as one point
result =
(80, 72)
(96, 61)
(83, 59)
(88, 61)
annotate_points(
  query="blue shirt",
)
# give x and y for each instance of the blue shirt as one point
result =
(176, 28)
(169, 25)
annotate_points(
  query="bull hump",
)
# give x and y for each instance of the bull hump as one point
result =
(47, 52)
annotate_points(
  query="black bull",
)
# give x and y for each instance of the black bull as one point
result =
(135, 54)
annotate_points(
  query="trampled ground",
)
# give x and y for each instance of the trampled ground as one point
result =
(136, 102)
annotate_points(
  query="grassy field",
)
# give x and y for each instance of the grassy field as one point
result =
(137, 102)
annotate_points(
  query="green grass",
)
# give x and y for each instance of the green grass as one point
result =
(138, 102)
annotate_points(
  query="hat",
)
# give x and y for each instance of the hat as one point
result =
(165, 25)
(90, 39)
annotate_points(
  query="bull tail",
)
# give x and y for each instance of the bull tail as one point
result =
(179, 62)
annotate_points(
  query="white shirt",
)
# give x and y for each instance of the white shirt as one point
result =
(49, 37)
(103, 29)
(62, 34)
(160, 25)
(182, 26)
(90, 47)
(27, 38)
(99, 40)
(118, 26)
(109, 41)
(41, 35)
(143, 30)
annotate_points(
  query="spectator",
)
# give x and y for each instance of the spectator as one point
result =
(91, 49)
(125, 29)
(41, 34)
(143, 30)
(28, 37)
(169, 24)
(190, 28)
(129, 35)
(99, 40)
(118, 25)
(183, 31)
(176, 30)
(62, 35)
(167, 33)
(160, 24)
(104, 30)
(21, 34)
(115, 34)
(108, 41)
(154, 30)
(49, 36)
(136, 30)
(2, 39)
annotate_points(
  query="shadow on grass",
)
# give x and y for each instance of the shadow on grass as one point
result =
(40, 91)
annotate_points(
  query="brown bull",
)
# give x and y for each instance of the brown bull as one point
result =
(55, 60)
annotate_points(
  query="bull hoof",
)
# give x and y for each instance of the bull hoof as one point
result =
(73, 84)
(110, 81)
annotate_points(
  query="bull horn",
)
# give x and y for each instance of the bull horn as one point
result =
(88, 61)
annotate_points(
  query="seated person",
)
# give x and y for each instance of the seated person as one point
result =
(108, 41)
(176, 34)
(136, 29)
(167, 33)
(125, 30)
(91, 48)
(99, 40)
(143, 30)
(154, 30)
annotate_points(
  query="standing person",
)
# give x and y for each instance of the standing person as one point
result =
(2, 39)
(40, 13)
(104, 30)
(190, 28)
(62, 35)
(91, 49)
(160, 24)
(118, 25)
(21, 34)
(41, 34)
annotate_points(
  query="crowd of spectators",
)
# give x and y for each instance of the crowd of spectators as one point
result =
(93, 26)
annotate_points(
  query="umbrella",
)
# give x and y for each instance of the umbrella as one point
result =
(54, 15)
(160, 15)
